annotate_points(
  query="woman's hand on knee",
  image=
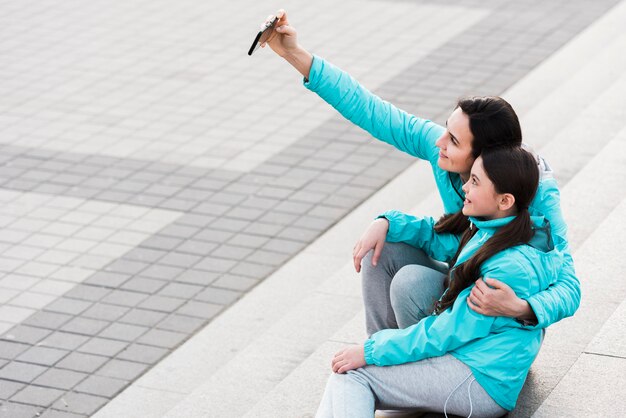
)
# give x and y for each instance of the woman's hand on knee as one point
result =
(373, 239)
(349, 358)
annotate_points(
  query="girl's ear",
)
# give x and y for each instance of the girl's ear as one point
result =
(506, 201)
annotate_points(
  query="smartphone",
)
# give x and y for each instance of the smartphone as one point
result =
(263, 35)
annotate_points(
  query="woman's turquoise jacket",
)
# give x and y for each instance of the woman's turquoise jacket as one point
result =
(417, 137)
(498, 350)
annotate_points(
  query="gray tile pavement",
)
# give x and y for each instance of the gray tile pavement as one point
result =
(135, 209)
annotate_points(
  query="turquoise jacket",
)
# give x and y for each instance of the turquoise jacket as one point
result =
(498, 350)
(417, 137)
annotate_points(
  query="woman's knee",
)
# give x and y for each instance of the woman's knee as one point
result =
(415, 279)
(416, 287)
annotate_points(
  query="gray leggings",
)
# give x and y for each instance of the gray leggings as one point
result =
(402, 288)
(438, 384)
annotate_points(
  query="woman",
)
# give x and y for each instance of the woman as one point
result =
(457, 361)
(394, 299)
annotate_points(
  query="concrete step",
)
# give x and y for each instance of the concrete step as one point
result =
(264, 363)
(244, 324)
(325, 312)
(300, 392)
(585, 206)
(597, 187)
(602, 366)
(592, 363)
(544, 88)
(560, 90)
(589, 131)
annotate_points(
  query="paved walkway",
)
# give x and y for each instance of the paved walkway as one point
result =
(152, 173)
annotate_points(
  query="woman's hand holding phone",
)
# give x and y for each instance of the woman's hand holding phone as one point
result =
(283, 40)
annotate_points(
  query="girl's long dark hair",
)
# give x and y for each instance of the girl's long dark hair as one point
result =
(512, 170)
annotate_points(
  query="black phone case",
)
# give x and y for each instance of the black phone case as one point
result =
(257, 38)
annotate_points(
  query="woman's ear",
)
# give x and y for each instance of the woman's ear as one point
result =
(506, 201)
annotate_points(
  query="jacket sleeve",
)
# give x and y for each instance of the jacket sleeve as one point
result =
(381, 119)
(420, 232)
(431, 337)
(437, 335)
(562, 298)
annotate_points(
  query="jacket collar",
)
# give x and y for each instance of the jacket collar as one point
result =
(493, 225)
(541, 239)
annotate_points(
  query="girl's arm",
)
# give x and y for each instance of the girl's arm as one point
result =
(420, 233)
(395, 226)
(437, 335)
(431, 337)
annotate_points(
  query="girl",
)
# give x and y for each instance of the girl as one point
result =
(475, 125)
(457, 361)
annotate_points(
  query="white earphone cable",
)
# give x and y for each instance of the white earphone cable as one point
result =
(469, 395)
(445, 405)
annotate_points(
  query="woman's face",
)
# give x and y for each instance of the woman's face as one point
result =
(455, 145)
(481, 199)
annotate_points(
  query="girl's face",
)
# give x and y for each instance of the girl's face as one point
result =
(481, 198)
(455, 145)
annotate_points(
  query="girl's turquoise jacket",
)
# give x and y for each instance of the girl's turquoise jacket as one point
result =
(498, 350)
(417, 137)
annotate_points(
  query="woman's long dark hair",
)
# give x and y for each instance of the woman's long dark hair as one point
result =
(492, 121)
(512, 170)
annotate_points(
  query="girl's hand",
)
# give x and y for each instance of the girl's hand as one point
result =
(373, 238)
(284, 39)
(349, 358)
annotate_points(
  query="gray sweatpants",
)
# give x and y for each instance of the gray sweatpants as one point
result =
(397, 293)
(402, 288)
(439, 384)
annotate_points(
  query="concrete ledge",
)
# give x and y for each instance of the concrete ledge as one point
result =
(263, 364)
(611, 339)
(603, 289)
(594, 192)
(594, 387)
(594, 384)
(543, 88)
